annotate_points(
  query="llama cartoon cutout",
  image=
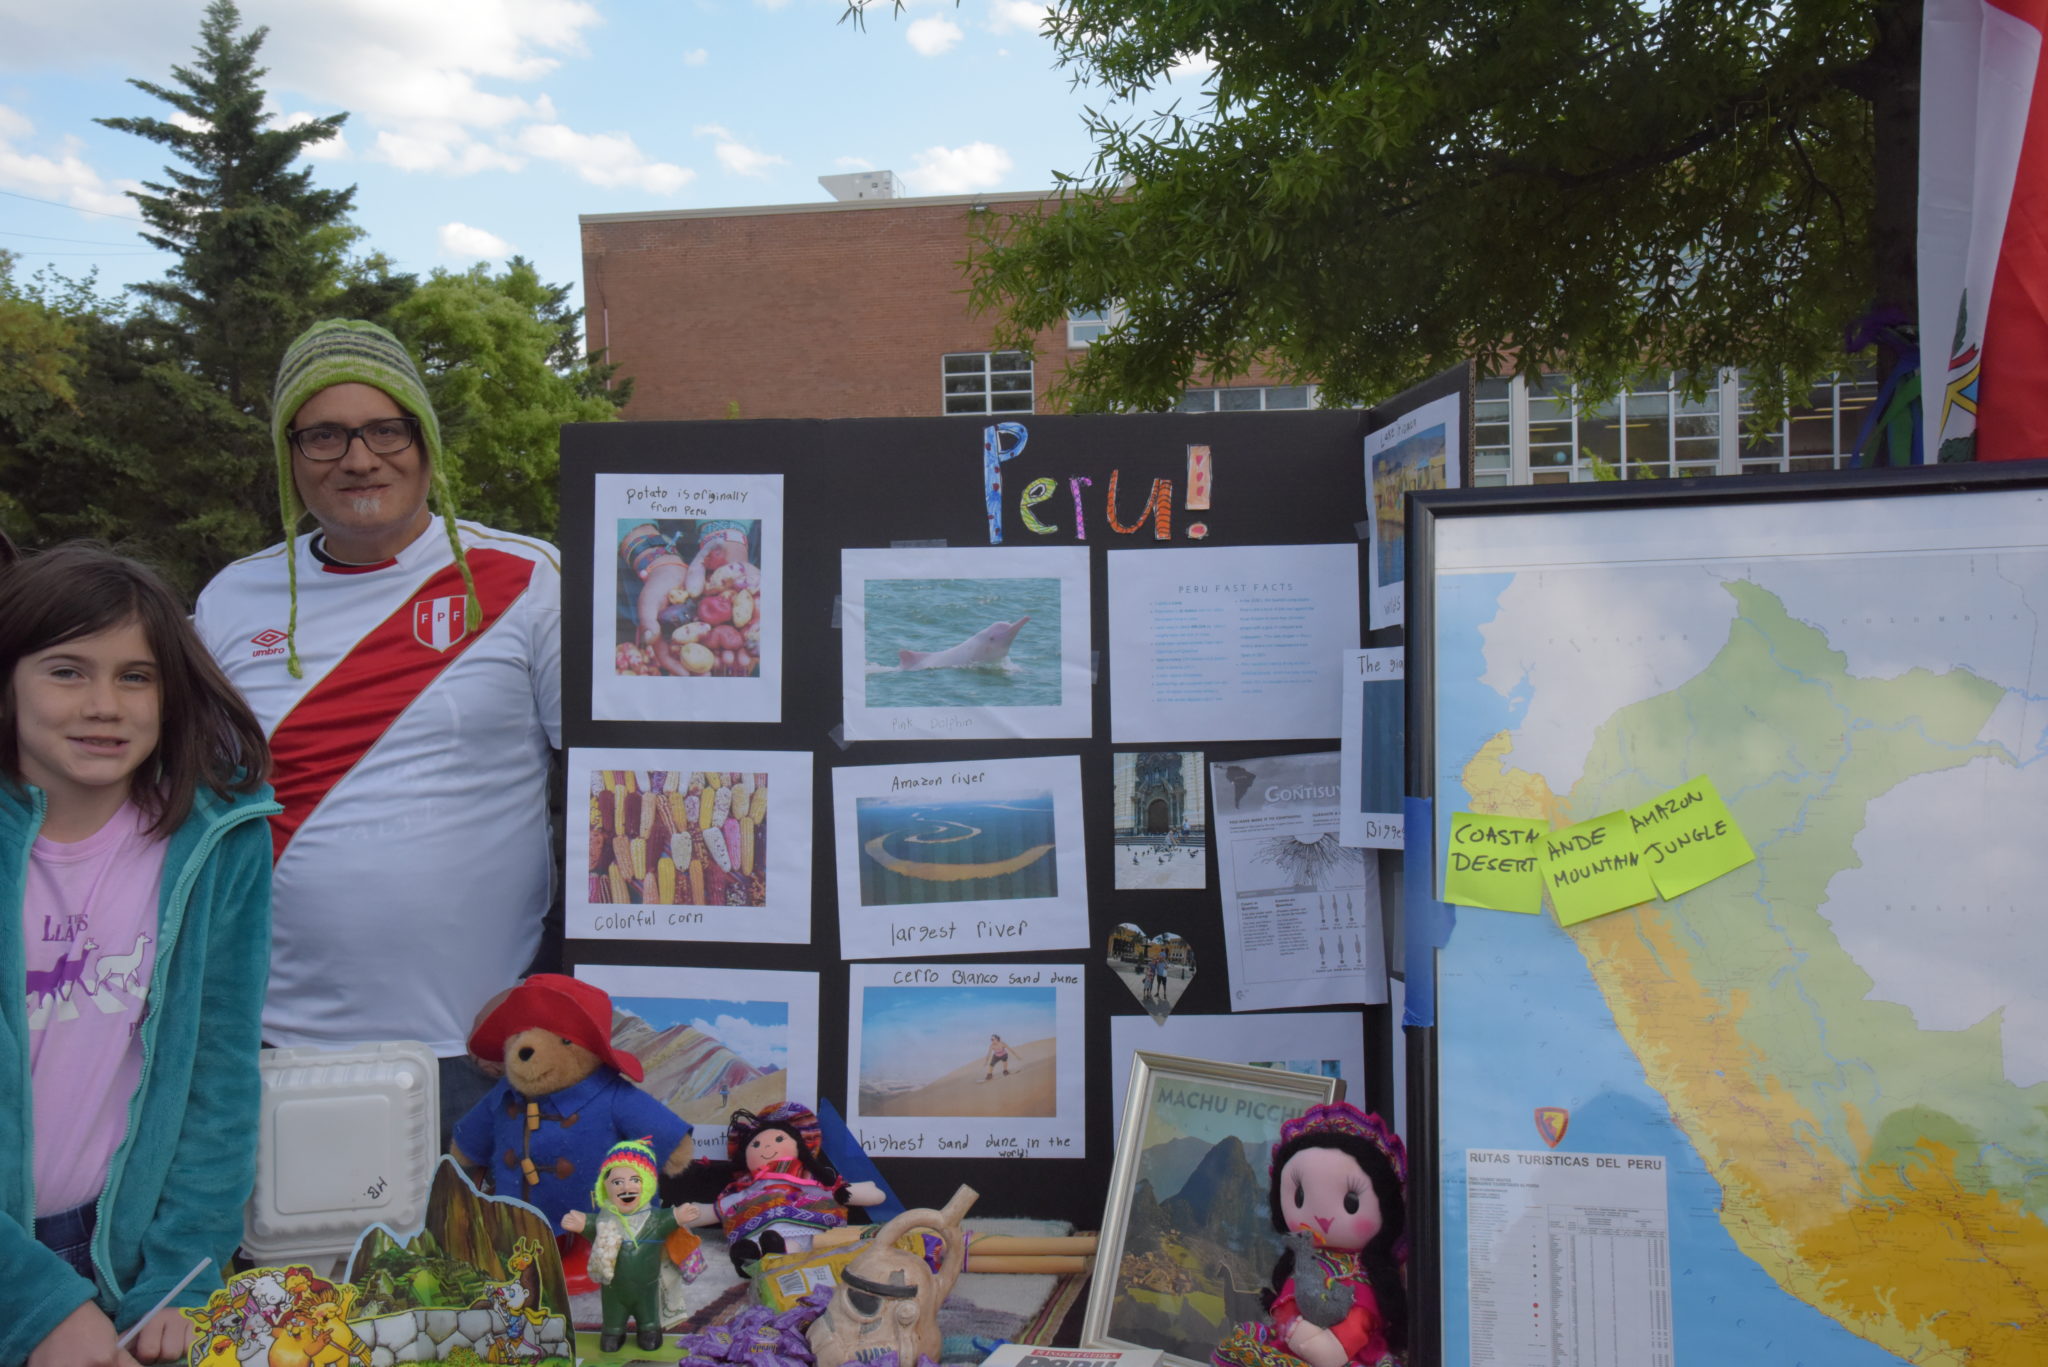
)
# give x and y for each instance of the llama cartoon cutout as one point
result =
(118, 983)
(124, 971)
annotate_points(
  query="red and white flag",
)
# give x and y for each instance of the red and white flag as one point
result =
(1984, 229)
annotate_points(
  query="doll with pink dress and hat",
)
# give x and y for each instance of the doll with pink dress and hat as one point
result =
(1337, 1297)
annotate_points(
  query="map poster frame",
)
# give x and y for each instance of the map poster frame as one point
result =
(1847, 512)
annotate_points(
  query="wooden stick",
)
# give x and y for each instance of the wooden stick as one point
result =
(840, 1237)
(1002, 1245)
(1043, 1263)
(1070, 1245)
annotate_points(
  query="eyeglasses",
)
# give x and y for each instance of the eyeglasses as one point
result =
(330, 440)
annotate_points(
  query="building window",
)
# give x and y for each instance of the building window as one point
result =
(1085, 327)
(1541, 432)
(1816, 435)
(1247, 398)
(1492, 424)
(987, 382)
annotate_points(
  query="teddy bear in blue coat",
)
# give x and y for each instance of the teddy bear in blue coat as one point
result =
(567, 1096)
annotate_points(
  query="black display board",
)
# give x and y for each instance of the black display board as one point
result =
(1279, 478)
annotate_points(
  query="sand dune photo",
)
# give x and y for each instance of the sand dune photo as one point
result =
(1027, 1089)
(958, 1051)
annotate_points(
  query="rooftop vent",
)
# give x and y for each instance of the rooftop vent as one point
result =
(861, 185)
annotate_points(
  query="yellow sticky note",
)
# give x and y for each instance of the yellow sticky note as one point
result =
(1493, 862)
(1595, 867)
(1689, 837)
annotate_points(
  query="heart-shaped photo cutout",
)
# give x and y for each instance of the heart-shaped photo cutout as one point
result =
(1156, 968)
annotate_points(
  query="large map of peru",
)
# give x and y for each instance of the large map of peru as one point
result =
(1829, 1026)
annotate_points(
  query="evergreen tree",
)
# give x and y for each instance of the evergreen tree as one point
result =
(150, 426)
(260, 249)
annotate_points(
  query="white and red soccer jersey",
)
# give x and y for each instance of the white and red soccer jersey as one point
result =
(411, 761)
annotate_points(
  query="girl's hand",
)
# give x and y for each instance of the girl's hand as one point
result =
(164, 1337)
(83, 1338)
(574, 1222)
(863, 1194)
(1315, 1345)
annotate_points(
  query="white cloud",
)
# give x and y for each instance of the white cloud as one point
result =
(696, 57)
(608, 159)
(735, 156)
(853, 163)
(931, 36)
(442, 151)
(424, 83)
(65, 177)
(434, 87)
(473, 244)
(1191, 66)
(958, 170)
(181, 119)
(1009, 16)
(761, 1045)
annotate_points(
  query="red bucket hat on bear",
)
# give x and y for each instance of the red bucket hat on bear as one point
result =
(571, 1008)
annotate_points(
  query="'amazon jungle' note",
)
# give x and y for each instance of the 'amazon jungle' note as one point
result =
(1689, 837)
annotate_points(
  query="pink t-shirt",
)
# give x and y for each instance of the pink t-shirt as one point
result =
(89, 926)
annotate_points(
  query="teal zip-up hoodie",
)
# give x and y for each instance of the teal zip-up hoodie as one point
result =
(183, 1171)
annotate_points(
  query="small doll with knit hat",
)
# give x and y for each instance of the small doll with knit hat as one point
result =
(638, 1253)
(776, 1191)
(1338, 1297)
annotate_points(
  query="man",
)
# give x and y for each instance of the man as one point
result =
(407, 668)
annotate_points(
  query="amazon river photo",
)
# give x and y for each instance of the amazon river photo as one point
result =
(993, 847)
(962, 642)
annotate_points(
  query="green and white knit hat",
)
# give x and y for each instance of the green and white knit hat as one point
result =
(350, 351)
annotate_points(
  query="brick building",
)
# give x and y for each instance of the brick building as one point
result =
(858, 308)
(851, 309)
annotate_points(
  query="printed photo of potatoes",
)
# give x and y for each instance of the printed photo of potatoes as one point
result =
(689, 597)
(671, 838)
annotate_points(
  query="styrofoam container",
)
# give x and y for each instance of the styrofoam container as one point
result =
(349, 1138)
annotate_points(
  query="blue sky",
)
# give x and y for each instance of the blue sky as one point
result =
(479, 128)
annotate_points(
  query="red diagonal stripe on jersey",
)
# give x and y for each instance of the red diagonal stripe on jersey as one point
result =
(349, 711)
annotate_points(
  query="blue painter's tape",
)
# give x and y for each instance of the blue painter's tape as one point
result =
(1429, 922)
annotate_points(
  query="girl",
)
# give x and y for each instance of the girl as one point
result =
(134, 847)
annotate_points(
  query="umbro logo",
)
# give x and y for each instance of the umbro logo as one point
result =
(269, 641)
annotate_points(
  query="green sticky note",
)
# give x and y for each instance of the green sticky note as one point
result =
(1595, 867)
(1689, 837)
(1492, 862)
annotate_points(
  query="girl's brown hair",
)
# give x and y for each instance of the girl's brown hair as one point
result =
(208, 734)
